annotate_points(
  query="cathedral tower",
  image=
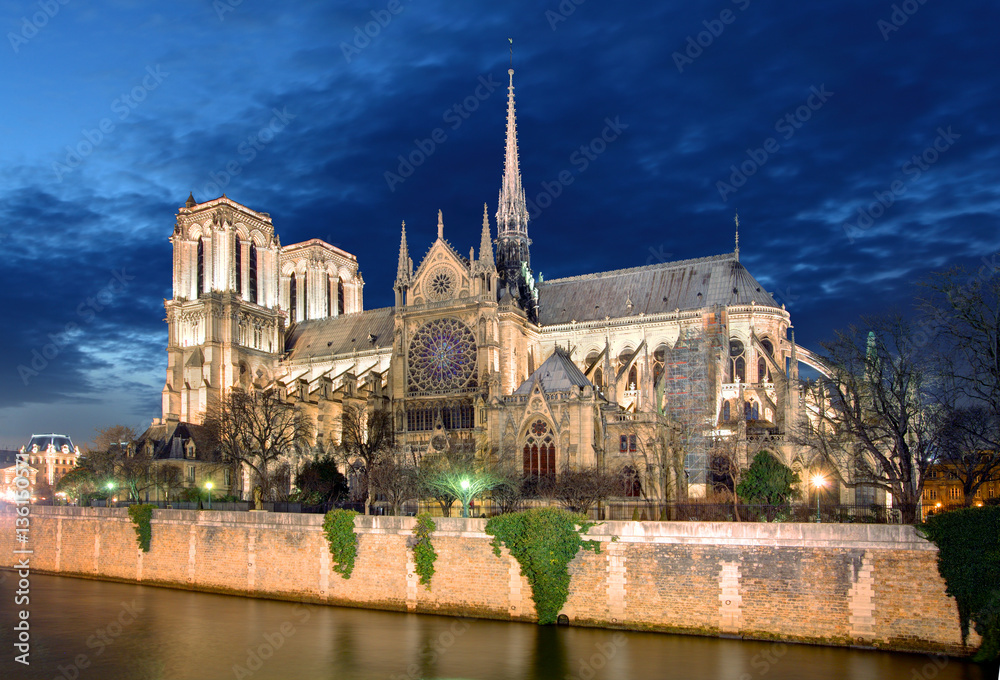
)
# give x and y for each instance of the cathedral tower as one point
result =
(513, 260)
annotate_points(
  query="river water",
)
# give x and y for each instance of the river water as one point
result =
(81, 629)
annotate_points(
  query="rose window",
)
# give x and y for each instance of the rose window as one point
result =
(442, 357)
(442, 284)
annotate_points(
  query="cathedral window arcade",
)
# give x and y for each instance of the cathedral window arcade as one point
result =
(292, 299)
(238, 262)
(253, 273)
(201, 266)
(738, 363)
(539, 451)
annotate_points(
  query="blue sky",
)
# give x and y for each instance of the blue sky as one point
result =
(858, 141)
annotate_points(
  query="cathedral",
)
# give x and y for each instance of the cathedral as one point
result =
(637, 371)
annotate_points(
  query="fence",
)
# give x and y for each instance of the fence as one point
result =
(607, 510)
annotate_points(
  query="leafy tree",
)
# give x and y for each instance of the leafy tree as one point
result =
(767, 481)
(78, 483)
(322, 480)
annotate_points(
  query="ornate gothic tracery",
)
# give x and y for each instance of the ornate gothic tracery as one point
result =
(442, 357)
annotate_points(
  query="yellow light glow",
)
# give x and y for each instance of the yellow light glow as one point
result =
(818, 481)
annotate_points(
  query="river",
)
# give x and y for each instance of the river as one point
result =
(81, 629)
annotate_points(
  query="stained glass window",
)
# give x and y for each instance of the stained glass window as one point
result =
(442, 357)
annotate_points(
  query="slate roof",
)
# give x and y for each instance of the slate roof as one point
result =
(43, 441)
(341, 334)
(558, 373)
(7, 458)
(653, 289)
(168, 441)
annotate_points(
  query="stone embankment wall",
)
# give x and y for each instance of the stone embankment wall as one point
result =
(867, 585)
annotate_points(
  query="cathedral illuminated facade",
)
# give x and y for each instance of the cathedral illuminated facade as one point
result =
(636, 370)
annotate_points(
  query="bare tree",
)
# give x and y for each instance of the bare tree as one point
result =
(366, 439)
(259, 430)
(580, 490)
(963, 433)
(396, 482)
(168, 478)
(727, 458)
(873, 421)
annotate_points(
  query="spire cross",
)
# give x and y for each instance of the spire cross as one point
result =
(737, 236)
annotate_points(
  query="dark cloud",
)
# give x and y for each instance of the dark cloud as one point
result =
(343, 122)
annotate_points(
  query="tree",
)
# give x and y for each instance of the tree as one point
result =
(767, 481)
(964, 431)
(320, 479)
(366, 438)
(964, 338)
(873, 421)
(168, 478)
(579, 490)
(115, 439)
(395, 481)
(78, 483)
(259, 430)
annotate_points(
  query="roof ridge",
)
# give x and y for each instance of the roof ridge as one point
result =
(648, 267)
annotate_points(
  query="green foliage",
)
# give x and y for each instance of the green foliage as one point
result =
(141, 515)
(320, 481)
(767, 481)
(968, 544)
(543, 541)
(424, 554)
(338, 525)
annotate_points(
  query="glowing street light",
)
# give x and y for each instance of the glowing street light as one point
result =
(465, 497)
(819, 481)
(208, 488)
(111, 488)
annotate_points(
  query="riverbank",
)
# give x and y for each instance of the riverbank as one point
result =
(832, 584)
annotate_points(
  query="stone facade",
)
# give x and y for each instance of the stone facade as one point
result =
(864, 585)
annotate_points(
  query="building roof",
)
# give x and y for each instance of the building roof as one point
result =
(7, 458)
(169, 440)
(558, 373)
(653, 289)
(56, 440)
(341, 334)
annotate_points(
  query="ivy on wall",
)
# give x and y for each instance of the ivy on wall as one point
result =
(338, 525)
(424, 554)
(141, 516)
(543, 541)
(968, 544)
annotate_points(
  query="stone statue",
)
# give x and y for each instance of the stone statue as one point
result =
(257, 505)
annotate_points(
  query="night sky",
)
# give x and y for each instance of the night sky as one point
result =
(858, 141)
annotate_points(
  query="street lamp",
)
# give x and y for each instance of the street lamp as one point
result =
(465, 497)
(208, 488)
(819, 482)
(111, 488)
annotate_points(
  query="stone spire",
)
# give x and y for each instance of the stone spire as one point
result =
(405, 268)
(440, 224)
(486, 243)
(737, 251)
(513, 260)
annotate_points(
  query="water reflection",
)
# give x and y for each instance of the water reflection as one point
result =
(90, 629)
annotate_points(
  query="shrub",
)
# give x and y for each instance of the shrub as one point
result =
(424, 554)
(543, 541)
(968, 542)
(141, 515)
(338, 525)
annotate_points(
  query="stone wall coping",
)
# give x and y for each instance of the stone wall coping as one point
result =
(786, 534)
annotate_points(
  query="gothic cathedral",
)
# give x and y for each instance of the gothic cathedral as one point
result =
(636, 371)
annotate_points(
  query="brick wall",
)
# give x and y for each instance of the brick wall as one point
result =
(867, 585)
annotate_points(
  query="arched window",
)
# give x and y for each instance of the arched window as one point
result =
(631, 485)
(253, 273)
(740, 370)
(633, 379)
(727, 412)
(762, 372)
(201, 266)
(755, 411)
(305, 296)
(746, 410)
(329, 296)
(292, 299)
(340, 297)
(599, 379)
(659, 358)
(238, 264)
(738, 364)
(768, 347)
(539, 453)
